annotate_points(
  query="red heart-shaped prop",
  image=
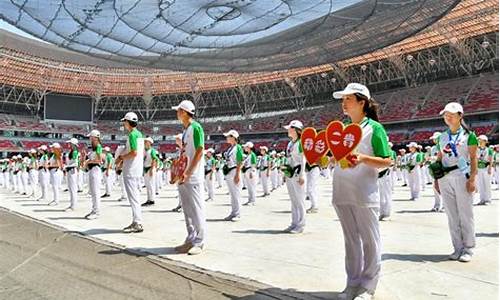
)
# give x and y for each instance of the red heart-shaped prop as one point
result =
(342, 140)
(314, 144)
(178, 167)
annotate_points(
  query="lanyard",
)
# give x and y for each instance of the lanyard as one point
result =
(453, 143)
(364, 122)
(289, 148)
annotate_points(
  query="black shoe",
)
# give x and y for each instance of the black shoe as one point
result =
(157, 194)
(80, 191)
(244, 188)
(65, 190)
(148, 203)
(105, 196)
(177, 209)
(405, 184)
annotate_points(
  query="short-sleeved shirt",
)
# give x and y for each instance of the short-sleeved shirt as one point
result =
(151, 154)
(462, 140)
(264, 161)
(108, 161)
(210, 162)
(295, 157)
(483, 156)
(96, 153)
(234, 156)
(73, 158)
(358, 185)
(250, 160)
(193, 138)
(134, 167)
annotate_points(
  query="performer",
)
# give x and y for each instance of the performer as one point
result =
(150, 165)
(232, 173)
(438, 203)
(210, 163)
(55, 167)
(264, 170)
(93, 165)
(250, 172)
(107, 170)
(413, 166)
(43, 173)
(72, 170)
(484, 164)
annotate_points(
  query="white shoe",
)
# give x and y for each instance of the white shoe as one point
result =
(466, 257)
(235, 219)
(69, 209)
(92, 216)
(455, 255)
(289, 229)
(348, 293)
(195, 250)
(364, 294)
(52, 203)
(297, 230)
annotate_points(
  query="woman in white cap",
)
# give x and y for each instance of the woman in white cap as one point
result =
(356, 196)
(484, 164)
(133, 162)
(295, 177)
(43, 173)
(150, 166)
(93, 165)
(24, 175)
(55, 167)
(413, 166)
(264, 170)
(250, 172)
(107, 169)
(210, 173)
(457, 153)
(218, 169)
(273, 165)
(72, 170)
(190, 185)
(438, 203)
(232, 173)
(32, 171)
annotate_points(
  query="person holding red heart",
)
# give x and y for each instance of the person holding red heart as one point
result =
(295, 181)
(356, 197)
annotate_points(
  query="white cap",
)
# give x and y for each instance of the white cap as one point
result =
(435, 135)
(185, 105)
(248, 144)
(412, 145)
(402, 150)
(419, 146)
(453, 107)
(130, 116)
(55, 145)
(211, 150)
(26, 159)
(107, 149)
(149, 139)
(483, 137)
(32, 151)
(428, 147)
(94, 133)
(353, 88)
(43, 147)
(390, 144)
(273, 152)
(19, 156)
(73, 141)
(264, 148)
(232, 133)
(294, 124)
(219, 155)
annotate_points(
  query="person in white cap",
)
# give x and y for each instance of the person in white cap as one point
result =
(413, 165)
(55, 167)
(72, 170)
(32, 171)
(218, 169)
(295, 178)
(210, 173)
(356, 196)
(133, 161)
(43, 173)
(250, 172)
(93, 165)
(458, 147)
(496, 170)
(403, 161)
(274, 165)
(190, 185)
(24, 175)
(264, 170)
(484, 164)
(232, 171)
(107, 169)
(150, 166)
(3, 168)
(438, 203)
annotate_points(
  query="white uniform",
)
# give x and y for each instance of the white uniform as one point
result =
(296, 191)
(43, 177)
(209, 177)
(108, 179)
(132, 172)
(33, 175)
(72, 170)
(120, 150)
(95, 177)
(356, 201)
(413, 162)
(483, 179)
(263, 170)
(312, 176)
(150, 180)
(457, 201)
(404, 163)
(191, 191)
(250, 176)
(438, 203)
(274, 173)
(233, 157)
(55, 178)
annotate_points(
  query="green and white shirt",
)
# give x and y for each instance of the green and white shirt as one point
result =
(250, 161)
(460, 141)
(151, 154)
(193, 138)
(358, 185)
(135, 142)
(234, 156)
(73, 160)
(210, 162)
(264, 162)
(295, 157)
(483, 156)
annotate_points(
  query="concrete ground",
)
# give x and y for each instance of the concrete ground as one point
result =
(416, 244)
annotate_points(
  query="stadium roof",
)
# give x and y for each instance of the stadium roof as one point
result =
(223, 36)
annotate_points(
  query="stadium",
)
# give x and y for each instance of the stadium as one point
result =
(70, 67)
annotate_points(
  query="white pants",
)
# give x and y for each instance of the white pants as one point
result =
(438, 203)
(193, 207)
(80, 179)
(251, 184)
(108, 180)
(297, 194)
(235, 192)
(264, 179)
(458, 206)
(73, 186)
(423, 180)
(133, 193)
(55, 180)
(483, 182)
(95, 175)
(209, 185)
(220, 177)
(428, 177)
(17, 182)
(24, 182)
(385, 191)
(43, 179)
(159, 181)
(2, 179)
(33, 178)
(122, 188)
(150, 182)
(414, 182)
(405, 176)
(362, 245)
(312, 186)
(274, 178)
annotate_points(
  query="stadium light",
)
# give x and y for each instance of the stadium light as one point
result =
(485, 44)
(432, 62)
(363, 68)
(379, 72)
(409, 57)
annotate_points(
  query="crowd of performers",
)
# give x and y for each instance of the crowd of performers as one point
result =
(455, 167)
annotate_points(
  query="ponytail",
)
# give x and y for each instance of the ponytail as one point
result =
(463, 124)
(370, 107)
